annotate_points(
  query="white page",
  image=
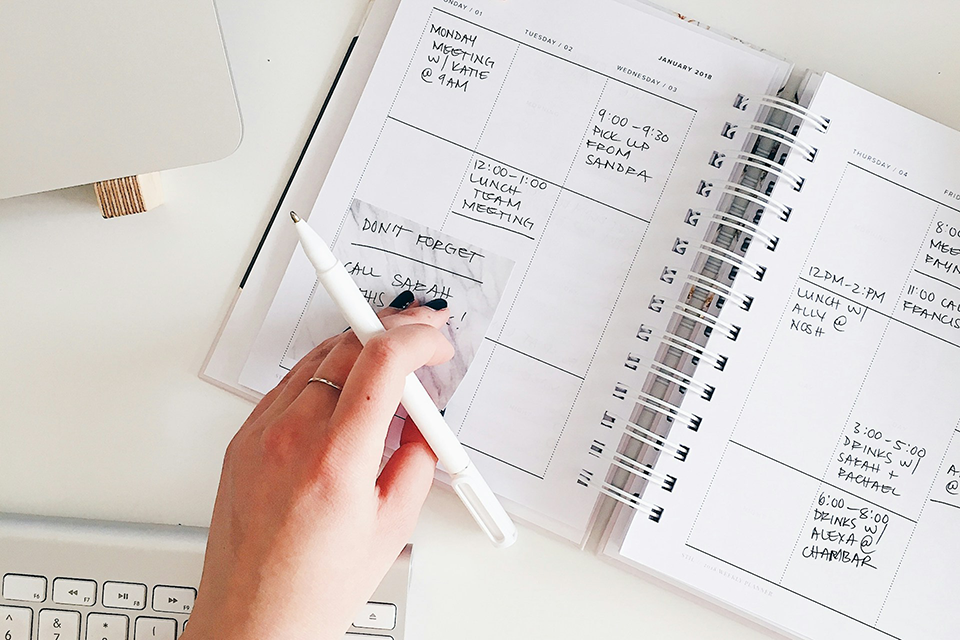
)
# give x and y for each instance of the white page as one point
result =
(563, 136)
(820, 493)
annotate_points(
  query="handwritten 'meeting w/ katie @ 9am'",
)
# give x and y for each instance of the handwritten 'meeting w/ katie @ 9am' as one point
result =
(387, 254)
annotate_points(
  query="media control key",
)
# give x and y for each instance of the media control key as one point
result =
(82, 593)
(124, 595)
(173, 599)
(376, 615)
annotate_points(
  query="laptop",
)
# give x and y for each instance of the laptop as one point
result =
(92, 91)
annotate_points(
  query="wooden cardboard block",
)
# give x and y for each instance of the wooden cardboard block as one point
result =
(133, 194)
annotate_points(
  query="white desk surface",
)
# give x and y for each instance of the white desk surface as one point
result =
(104, 324)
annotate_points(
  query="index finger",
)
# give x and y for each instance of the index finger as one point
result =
(372, 391)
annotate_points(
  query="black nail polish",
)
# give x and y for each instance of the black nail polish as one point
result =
(438, 304)
(402, 301)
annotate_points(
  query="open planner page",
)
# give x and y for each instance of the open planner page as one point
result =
(565, 136)
(822, 491)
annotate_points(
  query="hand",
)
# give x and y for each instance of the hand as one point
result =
(303, 528)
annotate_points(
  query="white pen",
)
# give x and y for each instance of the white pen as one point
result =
(473, 490)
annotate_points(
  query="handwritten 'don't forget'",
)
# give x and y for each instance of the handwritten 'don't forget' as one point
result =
(387, 254)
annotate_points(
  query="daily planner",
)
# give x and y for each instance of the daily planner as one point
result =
(516, 129)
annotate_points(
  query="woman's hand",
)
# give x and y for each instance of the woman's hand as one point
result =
(303, 528)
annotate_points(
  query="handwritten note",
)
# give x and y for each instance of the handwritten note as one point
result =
(387, 254)
(453, 60)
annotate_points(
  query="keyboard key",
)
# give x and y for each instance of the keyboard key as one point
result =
(155, 629)
(173, 599)
(58, 625)
(16, 623)
(81, 593)
(124, 595)
(375, 615)
(24, 588)
(107, 626)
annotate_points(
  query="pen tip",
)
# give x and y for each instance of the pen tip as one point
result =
(294, 217)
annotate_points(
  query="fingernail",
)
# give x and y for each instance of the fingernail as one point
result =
(402, 301)
(438, 304)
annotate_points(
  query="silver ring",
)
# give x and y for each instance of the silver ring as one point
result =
(326, 382)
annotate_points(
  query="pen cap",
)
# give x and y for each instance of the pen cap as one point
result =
(484, 506)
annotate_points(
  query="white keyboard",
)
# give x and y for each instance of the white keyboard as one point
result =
(65, 579)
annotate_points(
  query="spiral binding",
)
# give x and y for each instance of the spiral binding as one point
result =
(775, 134)
(742, 226)
(742, 191)
(679, 378)
(700, 316)
(786, 106)
(714, 286)
(759, 162)
(652, 395)
(731, 258)
(642, 434)
(687, 346)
